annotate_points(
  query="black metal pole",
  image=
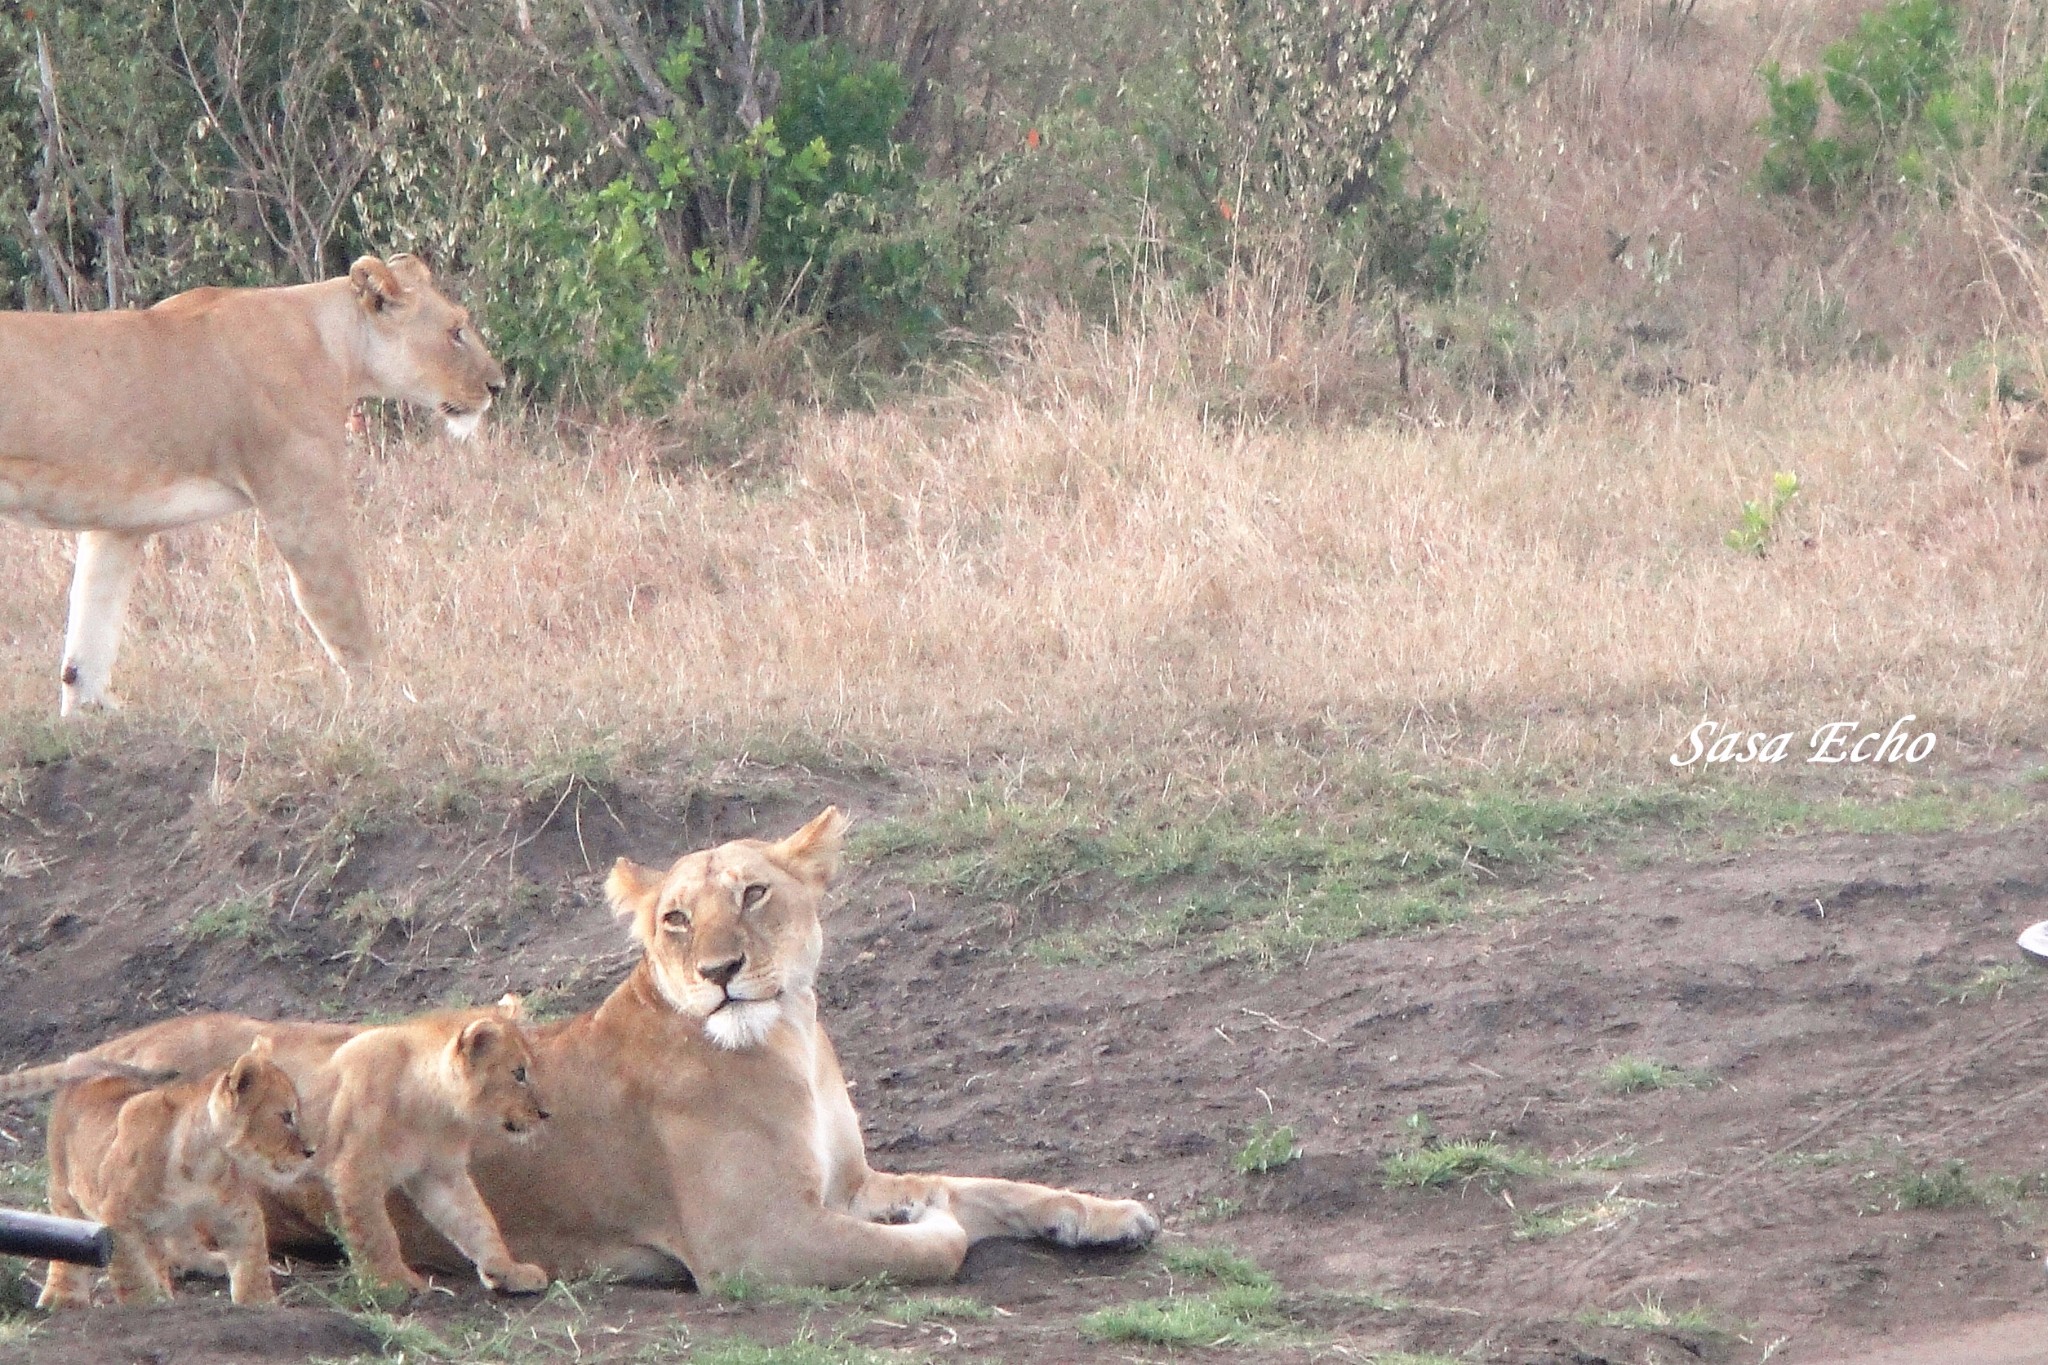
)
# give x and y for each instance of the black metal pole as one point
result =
(47, 1237)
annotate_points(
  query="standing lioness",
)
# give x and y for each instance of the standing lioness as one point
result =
(700, 1122)
(121, 424)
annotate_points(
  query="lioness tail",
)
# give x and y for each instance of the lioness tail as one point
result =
(41, 1080)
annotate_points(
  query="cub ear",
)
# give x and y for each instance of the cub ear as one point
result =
(376, 286)
(631, 887)
(242, 1074)
(812, 853)
(477, 1038)
(511, 1008)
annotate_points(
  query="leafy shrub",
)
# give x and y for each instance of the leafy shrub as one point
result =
(1899, 104)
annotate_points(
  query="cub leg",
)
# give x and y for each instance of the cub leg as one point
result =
(238, 1228)
(67, 1285)
(366, 1224)
(100, 580)
(451, 1203)
(135, 1272)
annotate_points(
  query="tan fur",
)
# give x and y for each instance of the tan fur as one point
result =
(121, 424)
(405, 1105)
(171, 1168)
(685, 1142)
(73, 1070)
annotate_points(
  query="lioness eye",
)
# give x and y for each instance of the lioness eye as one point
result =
(677, 918)
(519, 1074)
(753, 896)
(455, 335)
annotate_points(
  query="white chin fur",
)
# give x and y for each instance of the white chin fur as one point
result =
(463, 427)
(742, 1023)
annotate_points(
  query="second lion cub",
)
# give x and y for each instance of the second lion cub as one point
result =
(407, 1103)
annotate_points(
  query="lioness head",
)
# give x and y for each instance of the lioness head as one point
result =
(731, 930)
(492, 1064)
(255, 1109)
(421, 345)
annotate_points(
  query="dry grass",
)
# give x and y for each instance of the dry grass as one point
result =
(1613, 147)
(1046, 567)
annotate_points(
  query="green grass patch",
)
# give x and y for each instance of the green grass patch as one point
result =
(1989, 984)
(1537, 1225)
(1267, 1149)
(241, 919)
(1649, 1314)
(1443, 1164)
(1394, 853)
(1231, 1316)
(1942, 1187)
(1634, 1075)
(1215, 1210)
(923, 1308)
(1219, 1263)
(802, 1351)
(24, 1183)
(743, 1288)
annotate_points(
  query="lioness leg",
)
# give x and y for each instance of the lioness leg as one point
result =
(826, 1248)
(1012, 1208)
(449, 1201)
(304, 506)
(100, 580)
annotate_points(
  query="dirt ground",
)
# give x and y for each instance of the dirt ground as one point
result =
(1819, 979)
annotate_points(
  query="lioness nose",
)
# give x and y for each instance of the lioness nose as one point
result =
(496, 386)
(721, 973)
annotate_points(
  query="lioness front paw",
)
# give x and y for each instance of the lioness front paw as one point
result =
(516, 1278)
(1115, 1223)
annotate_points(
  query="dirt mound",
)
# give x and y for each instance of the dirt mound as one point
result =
(192, 1332)
(1843, 1143)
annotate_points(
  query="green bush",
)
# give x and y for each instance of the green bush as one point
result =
(1896, 102)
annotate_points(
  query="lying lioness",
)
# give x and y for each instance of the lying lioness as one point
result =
(121, 424)
(700, 1124)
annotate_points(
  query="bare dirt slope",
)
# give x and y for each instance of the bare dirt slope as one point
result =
(1818, 981)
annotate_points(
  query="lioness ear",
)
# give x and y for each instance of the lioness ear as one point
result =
(411, 270)
(376, 286)
(630, 887)
(812, 853)
(511, 1008)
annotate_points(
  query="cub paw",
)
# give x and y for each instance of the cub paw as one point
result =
(517, 1278)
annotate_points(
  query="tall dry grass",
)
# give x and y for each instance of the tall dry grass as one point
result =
(1070, 562)
(1614, 150)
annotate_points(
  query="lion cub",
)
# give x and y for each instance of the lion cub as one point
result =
(171, 1168)
(408, 1102)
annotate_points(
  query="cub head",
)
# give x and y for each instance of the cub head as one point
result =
(421, 345)
(255, 1109)
(730, 931)
(492, 1064)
